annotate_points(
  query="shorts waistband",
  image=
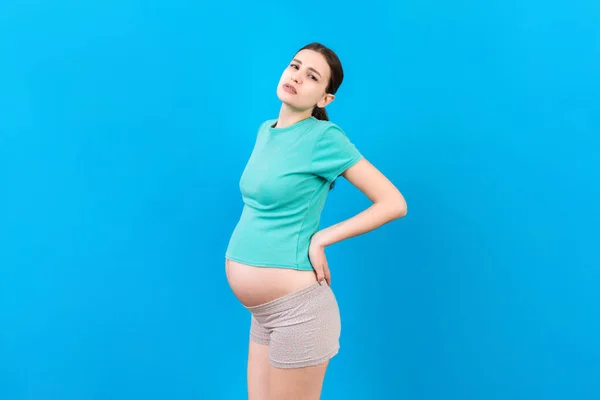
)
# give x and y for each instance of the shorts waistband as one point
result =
(290, 300)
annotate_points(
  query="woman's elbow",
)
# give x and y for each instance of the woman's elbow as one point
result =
(402, 210)
(399, 208)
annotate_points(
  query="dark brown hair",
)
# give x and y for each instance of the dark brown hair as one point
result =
(335, 79)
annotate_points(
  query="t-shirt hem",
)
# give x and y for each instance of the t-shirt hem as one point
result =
(270, 265)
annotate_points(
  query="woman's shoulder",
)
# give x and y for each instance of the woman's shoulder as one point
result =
(266, 123)
(329, 127)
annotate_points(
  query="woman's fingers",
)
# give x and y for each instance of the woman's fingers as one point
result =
(319, 263)
(320, 273)
(327, 274)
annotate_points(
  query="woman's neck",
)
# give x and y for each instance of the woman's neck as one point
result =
(288, 116)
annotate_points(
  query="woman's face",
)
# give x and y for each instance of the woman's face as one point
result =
(303, 82)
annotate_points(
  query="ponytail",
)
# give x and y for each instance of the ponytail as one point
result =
(320, 113)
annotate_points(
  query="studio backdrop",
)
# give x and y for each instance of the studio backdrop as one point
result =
(125, 127)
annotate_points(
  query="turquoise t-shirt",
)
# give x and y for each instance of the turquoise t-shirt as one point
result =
(284, 187)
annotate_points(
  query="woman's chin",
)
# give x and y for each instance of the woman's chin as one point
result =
(289, 104)
(287, 99)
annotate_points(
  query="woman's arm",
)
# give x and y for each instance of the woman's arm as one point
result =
(388, 205)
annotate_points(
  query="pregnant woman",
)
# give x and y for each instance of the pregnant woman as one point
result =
(275, 261)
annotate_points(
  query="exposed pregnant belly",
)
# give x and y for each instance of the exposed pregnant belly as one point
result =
(257, 285)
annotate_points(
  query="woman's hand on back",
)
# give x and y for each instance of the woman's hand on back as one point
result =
(318, 259)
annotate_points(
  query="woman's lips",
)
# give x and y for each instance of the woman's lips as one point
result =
(289, 88)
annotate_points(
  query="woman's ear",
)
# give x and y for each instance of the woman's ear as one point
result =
(327, 99)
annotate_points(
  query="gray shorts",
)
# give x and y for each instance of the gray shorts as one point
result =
(302, 328)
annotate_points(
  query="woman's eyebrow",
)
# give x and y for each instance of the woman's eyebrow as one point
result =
(312, 69)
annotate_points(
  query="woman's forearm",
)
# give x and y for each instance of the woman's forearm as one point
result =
(371, 218)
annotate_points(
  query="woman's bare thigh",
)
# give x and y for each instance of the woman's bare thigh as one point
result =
(297, 383)
(258, 371)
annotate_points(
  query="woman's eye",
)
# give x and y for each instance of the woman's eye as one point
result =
(314, 78)
(294, 66)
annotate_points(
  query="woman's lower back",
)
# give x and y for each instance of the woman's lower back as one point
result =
(258, 285)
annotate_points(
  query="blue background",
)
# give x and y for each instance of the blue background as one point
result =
(125, 126)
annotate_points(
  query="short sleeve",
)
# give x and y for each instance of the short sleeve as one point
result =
(333, 153)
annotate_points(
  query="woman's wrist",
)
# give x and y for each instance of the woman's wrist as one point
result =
(318, 240)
